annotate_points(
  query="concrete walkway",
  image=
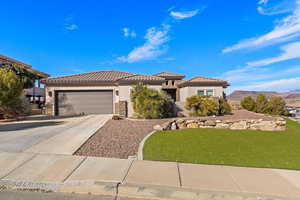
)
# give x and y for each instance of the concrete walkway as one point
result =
(49, 135)
(145, 179)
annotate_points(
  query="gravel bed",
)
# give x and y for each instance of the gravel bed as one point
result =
(121, 138)
(118, 138)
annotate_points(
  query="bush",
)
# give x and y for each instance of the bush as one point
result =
(206, 106)
(274, 106)
(224, 107)
(262, 104)
(11, 90)
(248, 103)
(151, 103)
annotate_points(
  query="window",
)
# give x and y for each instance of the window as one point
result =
(167, 83)
(209, 92)
(173, 83)
(201, 93)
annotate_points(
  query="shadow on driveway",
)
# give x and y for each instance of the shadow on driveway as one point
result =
(27, 125)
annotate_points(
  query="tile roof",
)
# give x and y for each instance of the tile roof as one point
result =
(198, 80)
(142, 77)
(5, 59)
(102, 77)
(168, 74)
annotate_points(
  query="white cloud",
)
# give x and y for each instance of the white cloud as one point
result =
(280, 85)
(286, 29)
(184, 14)
(128, 33)
(290, 51)
(70, 25)
(283, 7)
(260, 2)
(154, 46)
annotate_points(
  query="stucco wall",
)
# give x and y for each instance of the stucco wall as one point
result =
(188, 91)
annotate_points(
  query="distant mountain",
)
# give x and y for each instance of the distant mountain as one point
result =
(298, 90)
(291, 98)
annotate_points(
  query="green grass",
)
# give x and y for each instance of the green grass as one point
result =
(278, 149)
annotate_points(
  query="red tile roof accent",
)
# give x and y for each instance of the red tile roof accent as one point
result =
(168, 74)
(198, 80)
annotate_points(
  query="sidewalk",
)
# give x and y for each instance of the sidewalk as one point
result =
(147, 179)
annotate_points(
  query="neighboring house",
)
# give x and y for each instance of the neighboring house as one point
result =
(108, 92)
(35, 94)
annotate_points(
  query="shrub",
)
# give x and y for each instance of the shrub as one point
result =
(224, 107)
(11, 90)
(151, 103)
(262, 104)
(276, 106)
(206, 106)
(248, 103)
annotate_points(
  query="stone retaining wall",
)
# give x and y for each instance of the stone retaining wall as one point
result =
(279, 124)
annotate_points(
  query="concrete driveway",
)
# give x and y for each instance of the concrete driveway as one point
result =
(57, 135)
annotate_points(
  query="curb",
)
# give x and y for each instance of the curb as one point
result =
(120, 191)
(140, 155)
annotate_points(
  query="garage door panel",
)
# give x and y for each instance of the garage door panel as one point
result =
(88, 102)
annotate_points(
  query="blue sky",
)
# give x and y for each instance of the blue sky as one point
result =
(254, 44)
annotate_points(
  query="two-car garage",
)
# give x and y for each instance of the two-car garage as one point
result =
(83, 102)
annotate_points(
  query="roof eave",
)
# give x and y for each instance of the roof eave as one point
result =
(202, 83)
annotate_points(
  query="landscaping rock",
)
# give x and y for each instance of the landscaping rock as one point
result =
(158, 127)
(210, 123)
(222, 125)
(277, 124)
(192, 125)
(240, 125)
(173, 126)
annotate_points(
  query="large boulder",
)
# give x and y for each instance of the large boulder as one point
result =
(222, 125)
(193, 125)
(239, 125)
(210, 123)
(266, 126)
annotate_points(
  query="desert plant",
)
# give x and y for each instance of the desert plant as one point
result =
(276, 106)
(151, 103)
(248, 103)
(201, 105)
(262, 104)
(11, 90)
(224, 107)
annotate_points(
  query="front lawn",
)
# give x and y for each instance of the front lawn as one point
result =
(228, 147)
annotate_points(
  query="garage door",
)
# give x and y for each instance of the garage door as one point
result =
(84, 102)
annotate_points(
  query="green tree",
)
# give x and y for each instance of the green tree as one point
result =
(248, 103)
(26, 76)
(262, 105)
(224, 107)
(276, 106)
(201, 106)
(11, 90)
(151, 103)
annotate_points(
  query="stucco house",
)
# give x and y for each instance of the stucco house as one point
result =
(108, 92)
